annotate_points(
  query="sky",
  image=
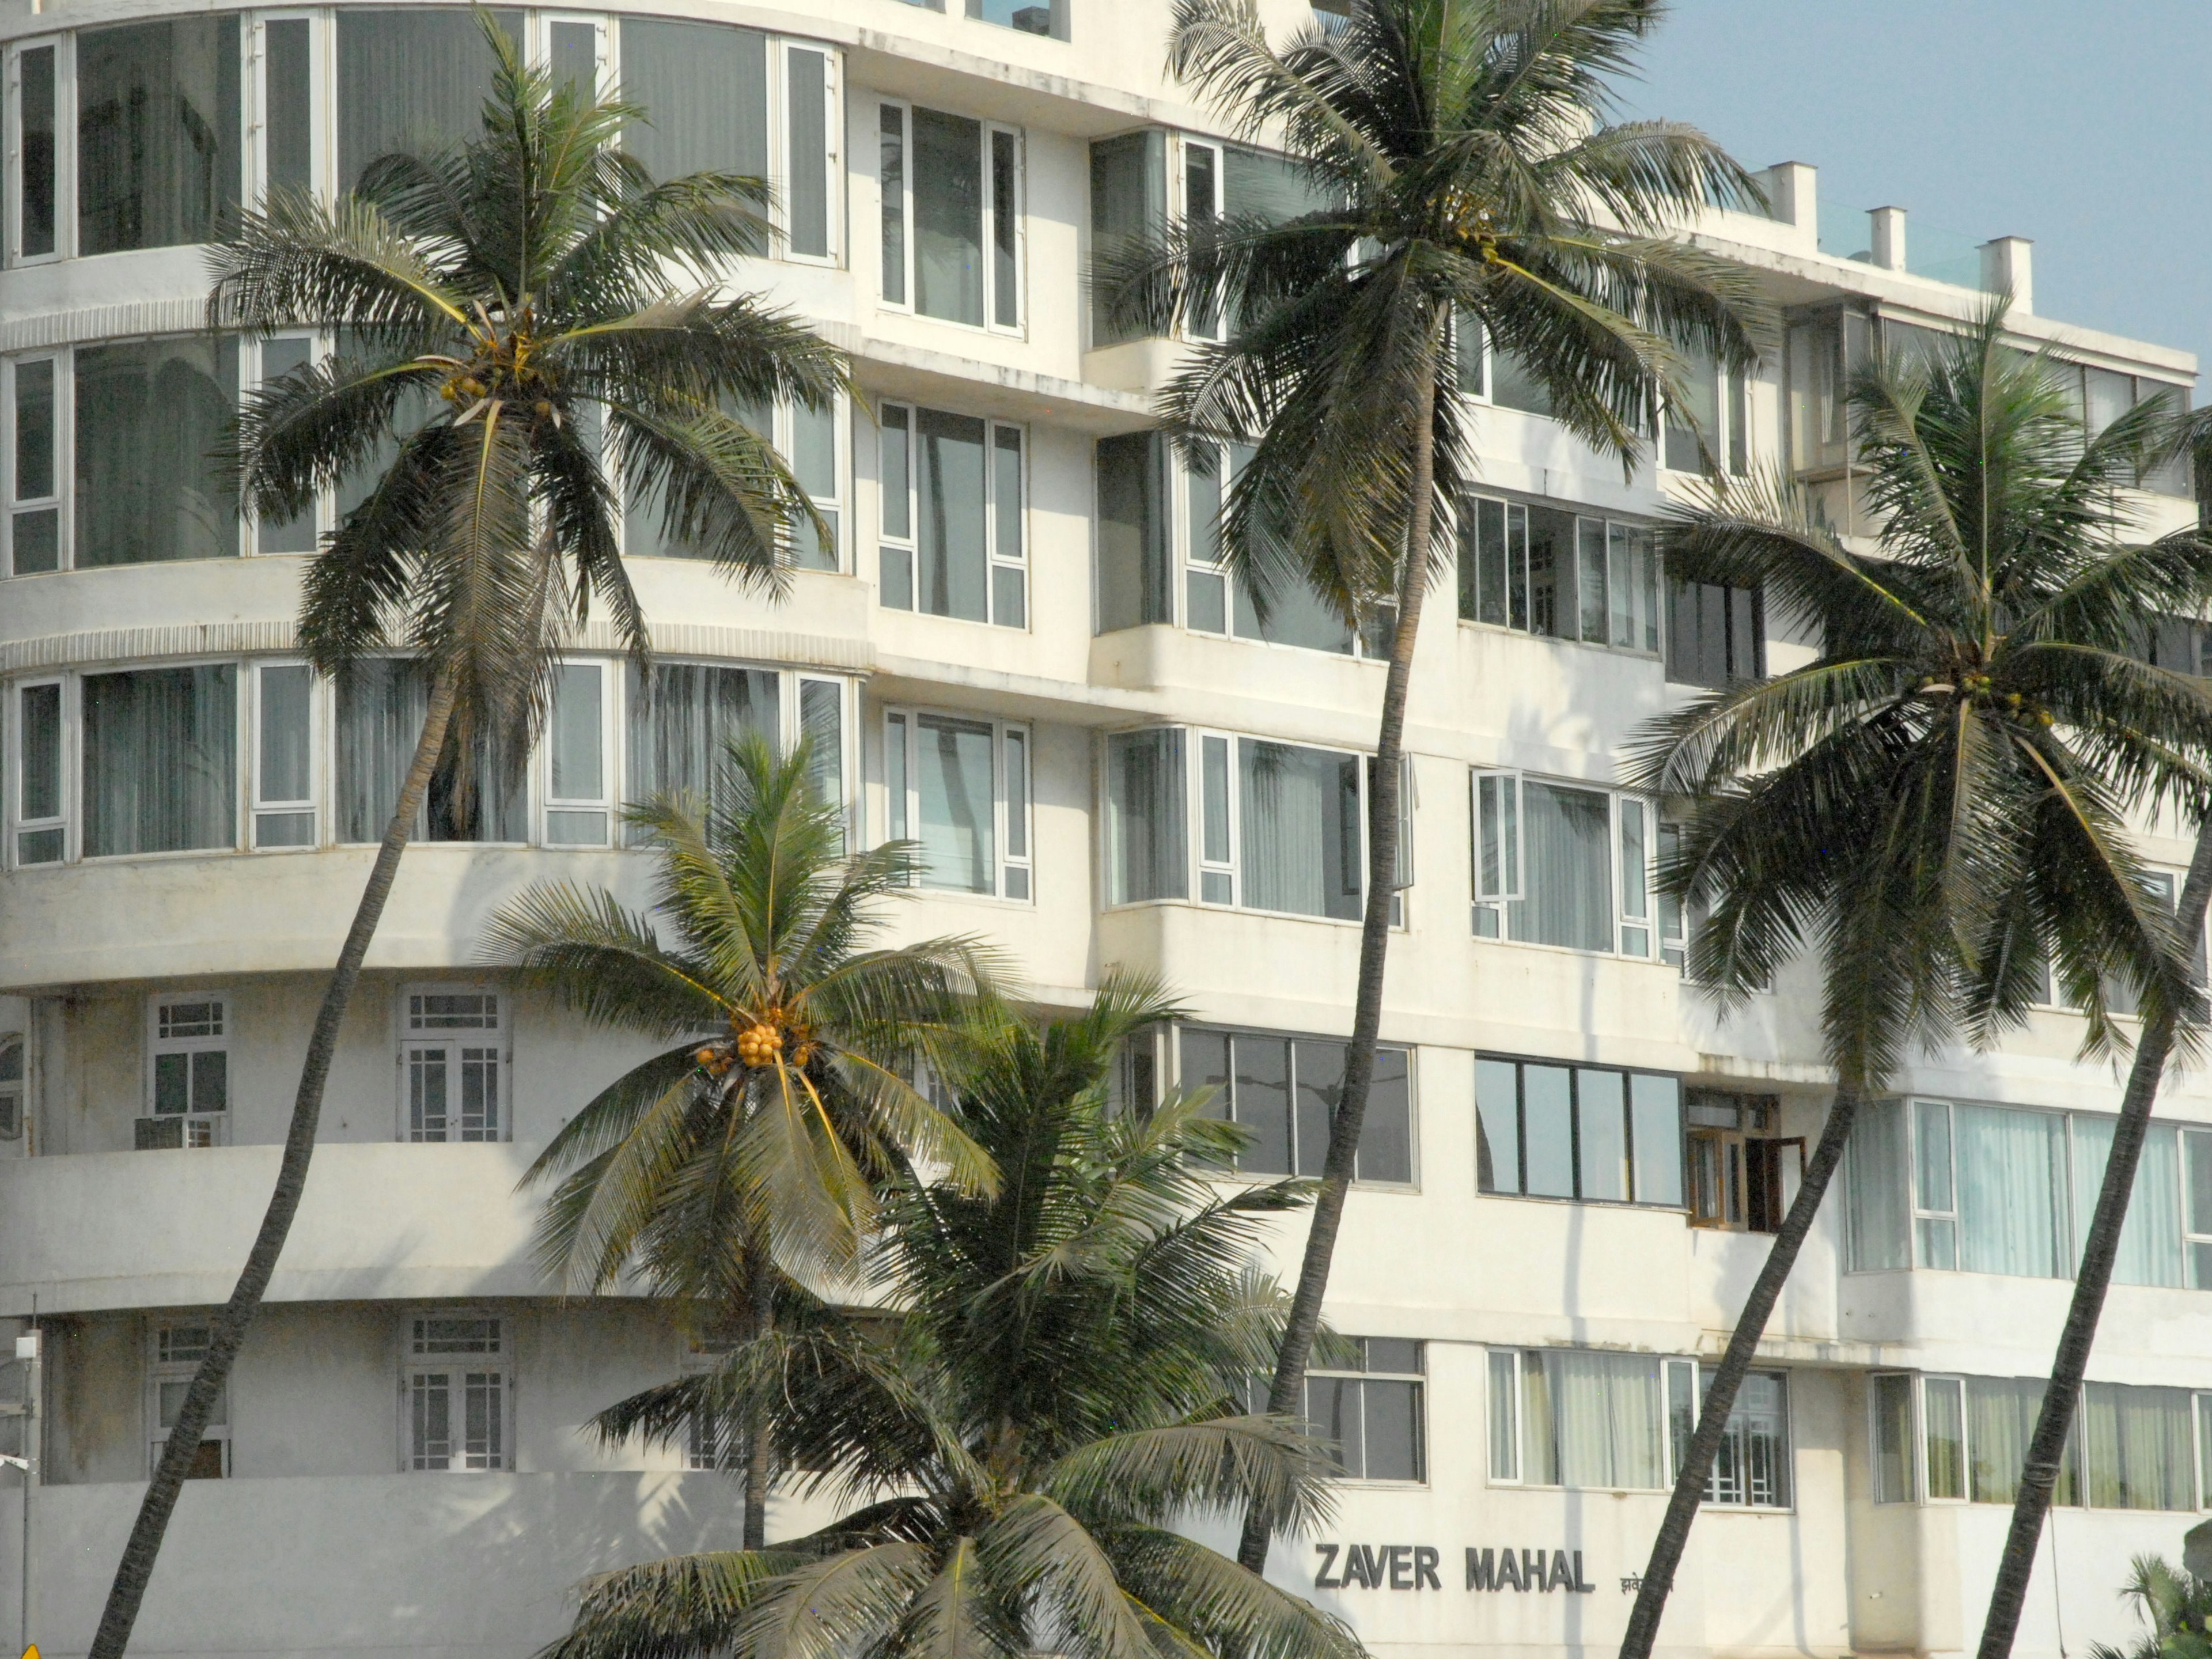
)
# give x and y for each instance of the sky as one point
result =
(2085, 125)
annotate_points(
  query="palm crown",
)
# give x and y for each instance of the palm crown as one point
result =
(782, 1107)
(1048, 1395)
(504, 327)
(1939, 798)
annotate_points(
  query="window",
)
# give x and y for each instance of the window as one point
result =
(454, 1393)
(1739, 1173)
(382, 703)
(811, 443)
(1580, 1131)
(1370, 1410)
(1128, 207)
(1751, 1469)
(1715, 635)
(34, 154)
(1891, 1400)
(1820, 353)
(1147, 854)
(2130, 1448)
(157, 133)
(1285, 1091)
(41, 831)
(2002, 1189)
(1716, 435)
(285, 755)
(37, 390)
(579, 735)
(12, 1109)
(1555, 863)
(1542, 570)
(273, 360)
(711, 1441)
(452, 1052)
(951, 216)
(177, 1351)
(187, 1072)
(1579, 1418)
(960, 786)
(1047, 17)
(411, 77)
(679, 736)
(954, 527)
(160, 760)
(147, 420)
(2196, 1201)
(293, 106)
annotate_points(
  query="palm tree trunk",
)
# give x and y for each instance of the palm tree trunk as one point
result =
(1727, 1377)
(760, 1322)
(2054, 1421)
(136, 1570)
(1285, 1397)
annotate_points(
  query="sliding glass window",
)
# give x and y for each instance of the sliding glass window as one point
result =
(1284, 1091)
(1588, 1133)
(412, 79)
(150, 420)
(2132, 1448)
(476, 794)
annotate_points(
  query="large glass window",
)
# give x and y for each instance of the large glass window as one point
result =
(1545, 571)
(1580, 1131)
(1555, 863)
(151, 417)
(2130, 1447)
(951, 190)
(1299, 829)
(954, 539)
(1128, 205)
(1715, 635)
(1581, 1418)
(960, 786)
(157, 132)
(413, 79)
(382, 703)
(705, 88)
(160, 760)
(1284, 1091)
(1147, 852)
(1366, 1400)
(679, 735)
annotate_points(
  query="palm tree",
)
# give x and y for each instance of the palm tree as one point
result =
(1468, 186)
(2177, 1606)
(523, 278)
(752, 1149)
(1937, 802)
(1049, 1393)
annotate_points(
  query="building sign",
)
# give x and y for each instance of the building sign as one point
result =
(1414, 1567)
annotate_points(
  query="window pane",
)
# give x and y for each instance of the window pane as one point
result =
(1206, 1065)
(1333, 1412)
(160, 760)
(1568, 866)
(1498, 1126)
(1320, 1092)
(1006, 250)
(289, 125)
(1392, 1429)
(40, 785)
(948, 216)
(2137, 1448)
(1263, 1103)
(1296, 616)
(822, 724)
(706, 89)
(1997, 1433)
(157, 132)
(1548, 1124)
(296, 534)
(1144, 824)
(1132, 545)
(1129, 201)
(1601, 1099)
(1892, 1440)
(35, 124)
(952, 778)
(211, 1081)
(412, 80)
(814, 462)
(1504, 1414)
(2150, 1238)
(1007, 493)
(891, 178)
(806, 194)
(1875, 1213)
(1386, 1136)
(1213, 793)
(284, 756)
(1018, 794)
(35, 477)
(172, 1084)
(150, 418)
(382, 703)
(1656, 1120)
(1299, 829)
(2010, 1168)
(573, 55)
(1933, 1163)
(1592, 606)
(951, 542)
(1605, 1418)
(572, 738)
(677, 738)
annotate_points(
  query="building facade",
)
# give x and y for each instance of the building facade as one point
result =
(1021, 650)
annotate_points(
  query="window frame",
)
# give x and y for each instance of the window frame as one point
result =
(260, 805)
(253, 372)
(453, 1040)
(322, 86)
(210, 1127)
(1574, 1069)
(1615, 534)
(1667, 1364)
(1013, 874)
(15, 1091)
(1363, 1374)
(161, 1370)
(62, 503)
(1233, 866)
(1498, 896)
(1174, 1070)
(1180, 148)
(607, 803)
(908, 545)
(781, 149)
(1916, 1450)
(987, 196)
(242, 758)
(65, 768)
(415, 1362)
(64, 43)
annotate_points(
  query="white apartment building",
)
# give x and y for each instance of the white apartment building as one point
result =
(1020, 650)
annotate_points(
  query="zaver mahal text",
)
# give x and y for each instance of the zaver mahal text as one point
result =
(1413, 1567)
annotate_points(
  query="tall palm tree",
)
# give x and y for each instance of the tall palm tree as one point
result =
(1048, 1395)
(752, 1149)
(523, 278)
(1937, 803)
(1468, 185)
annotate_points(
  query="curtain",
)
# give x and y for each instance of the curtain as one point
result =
(1567, 864)
(157, 131)
(1145, 856)
(2150, 1240)
(2009, 1165)
(704, 88)
(150, 418)
(950, 541)
(160, 760)
(410, 80)
(952, 779)
(1301, 831)
(948, 216)
(678, 739)
(2000, 1419)
(1875, 1190)
(1599, 1419)
(2138, 1448)
(382, 703)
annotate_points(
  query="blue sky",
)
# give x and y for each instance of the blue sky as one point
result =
(2084, 124)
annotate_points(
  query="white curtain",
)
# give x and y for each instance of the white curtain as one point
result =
(150, 418)
(382, 701)
(2138, 1448)
(1567, 850)
(1875, 1190)
(409, 79)
(1301, 830)
(1593, 1421)
(952, 778)
(2150, 1240)
(160, 760)
(678, 739)
(2010, 1191)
